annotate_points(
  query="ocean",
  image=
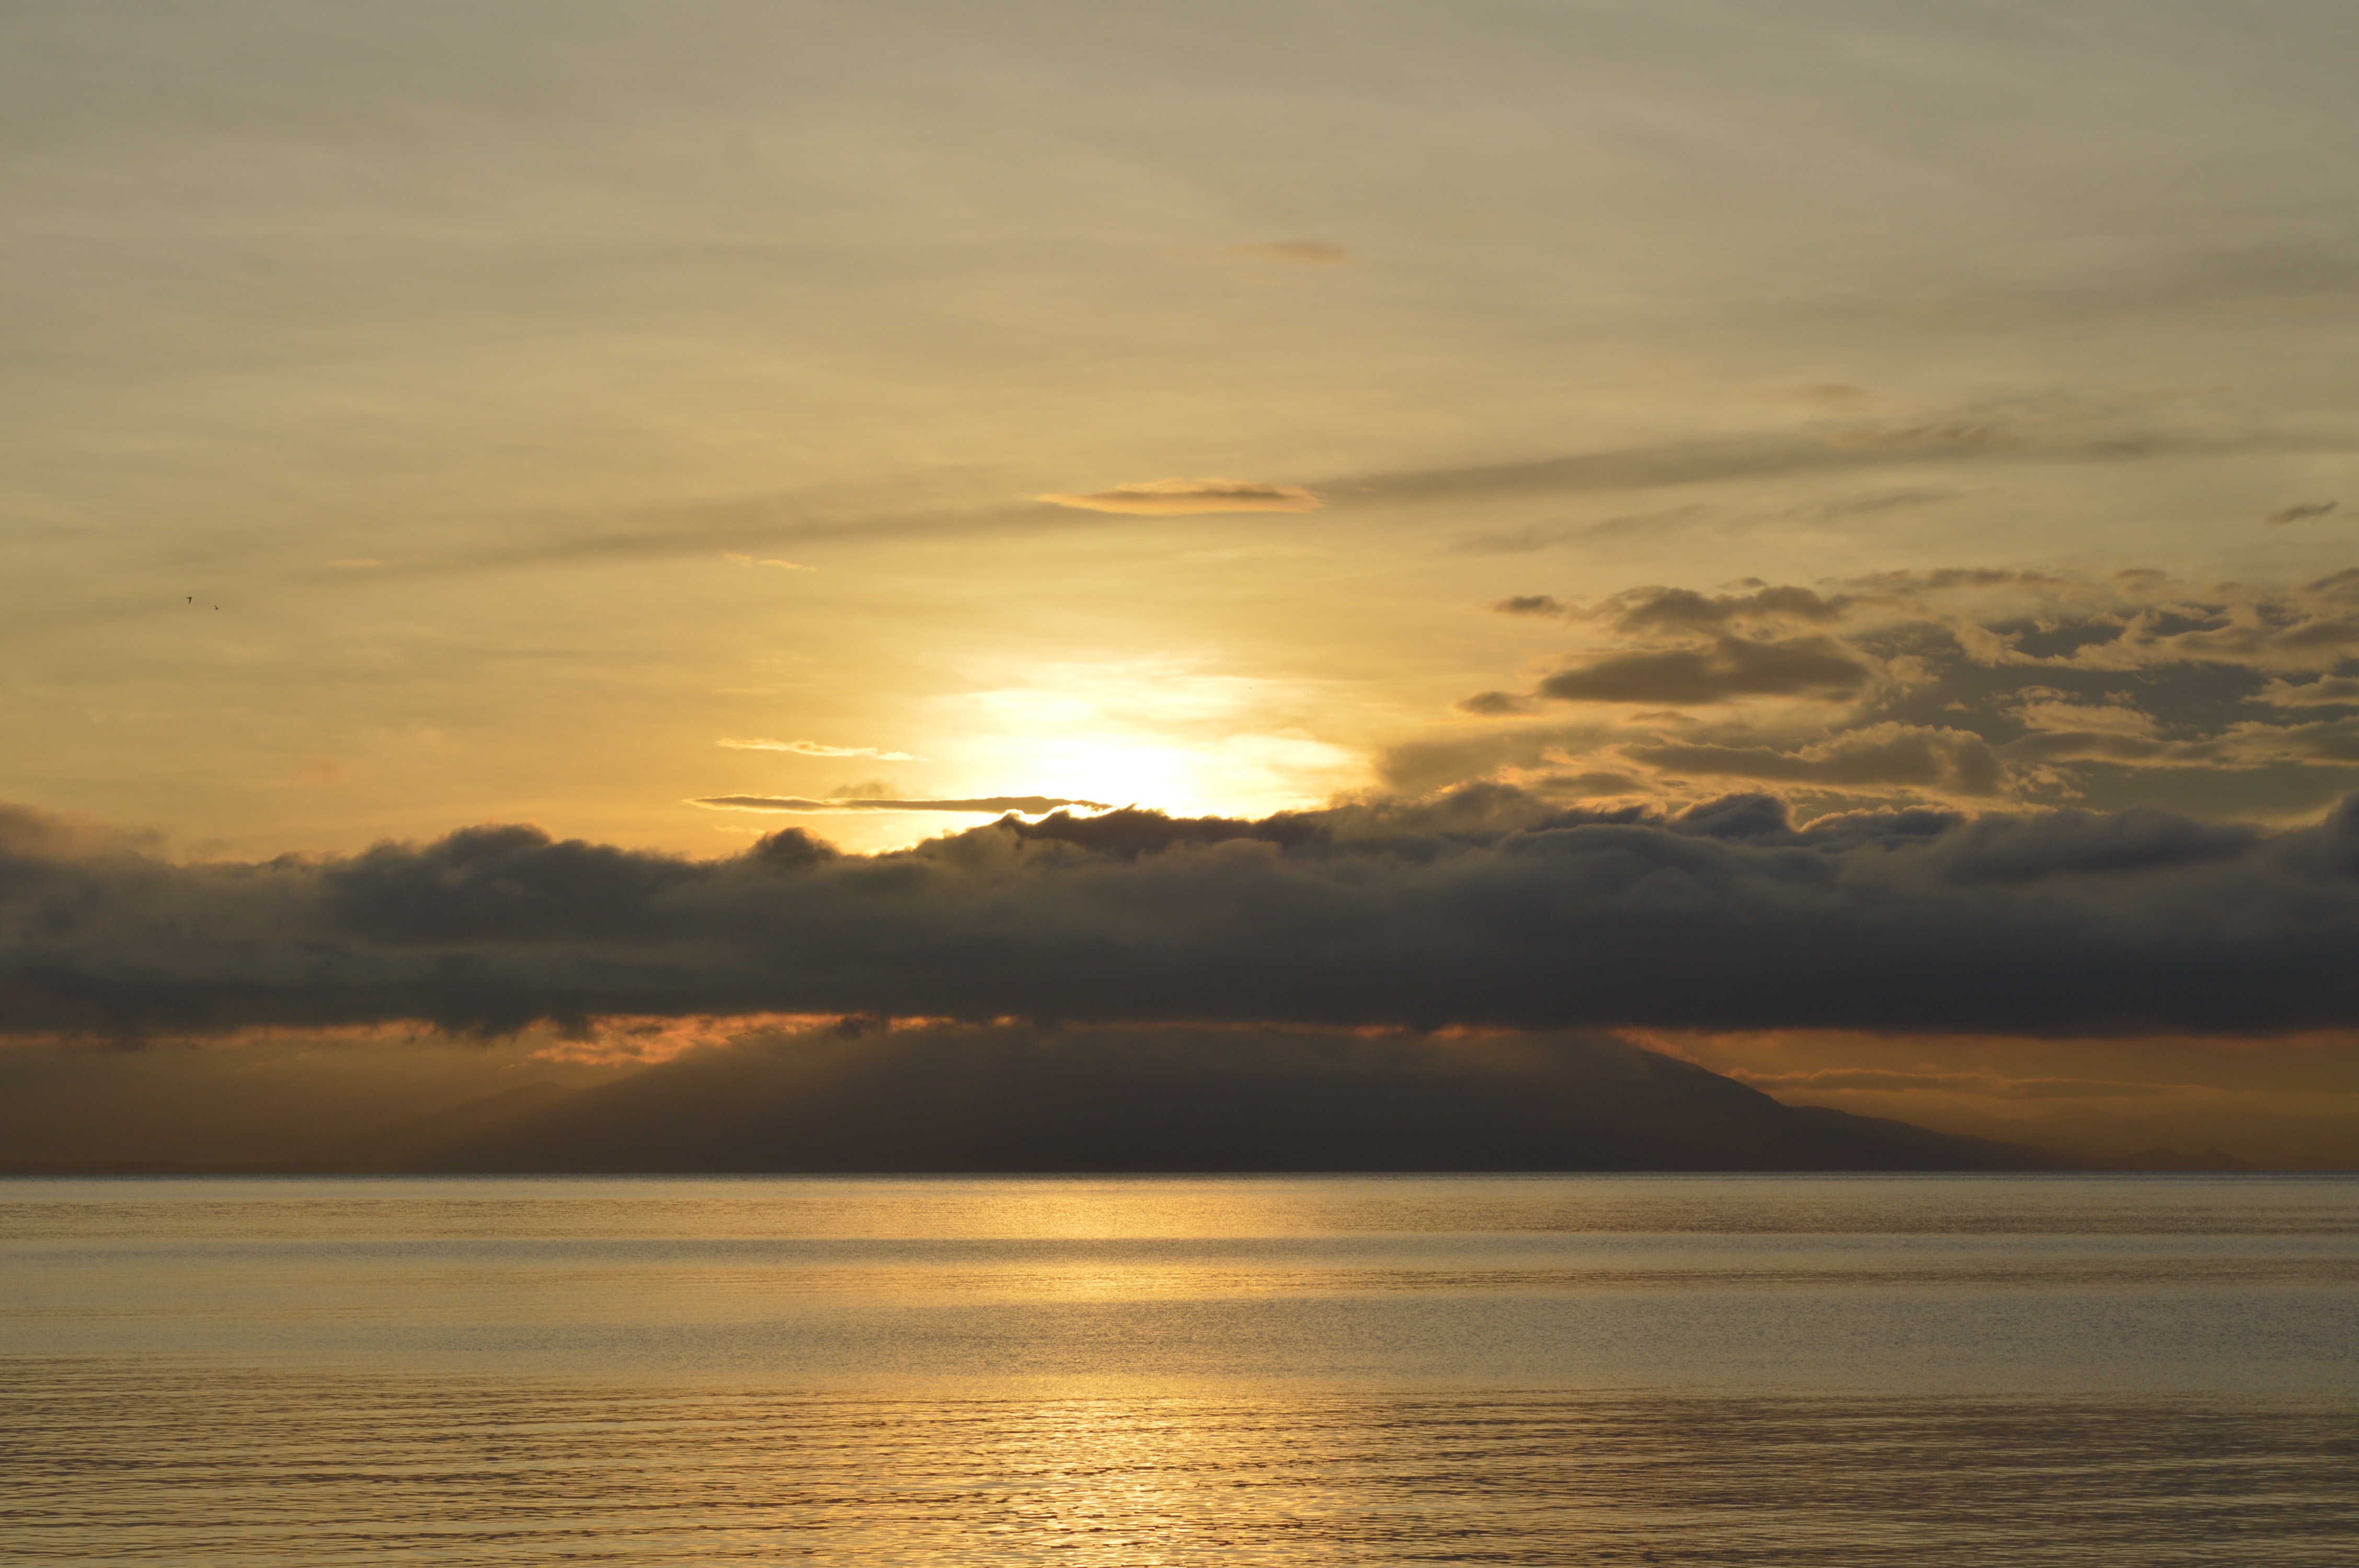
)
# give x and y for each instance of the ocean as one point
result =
(1987, 1370)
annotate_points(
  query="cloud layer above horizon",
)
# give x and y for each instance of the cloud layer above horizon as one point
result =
(1484, 908)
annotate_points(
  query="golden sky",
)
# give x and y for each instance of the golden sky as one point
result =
(664, 424)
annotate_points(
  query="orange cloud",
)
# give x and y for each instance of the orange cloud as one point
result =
(1180, 497)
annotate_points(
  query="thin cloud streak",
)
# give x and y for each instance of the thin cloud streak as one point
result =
(1030, 804)
(815, 748)
(1846, 449)
(1192, 497)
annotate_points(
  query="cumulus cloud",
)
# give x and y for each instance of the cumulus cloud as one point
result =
(1420, 767)
(1489, 910)
(1936, 762)
(2146, 621)
(2329, 691)
(1183, 497)
(815, 748)
(2334, 742)
(1726, 667)
(1957, 684)
(1030, 805)
(1529, 604)
(1642, 609)
(2047, 710)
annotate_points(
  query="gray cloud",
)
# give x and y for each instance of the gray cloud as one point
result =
(1729, 666)
(1937, 761)
(1490, 909)
(2299, 512)
(2329, 691)
(2333, 742)
(1642, 610)
(1952, 684)
(2144, 622)
(1418, 767)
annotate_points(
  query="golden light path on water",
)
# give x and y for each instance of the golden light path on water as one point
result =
(1696, 1370)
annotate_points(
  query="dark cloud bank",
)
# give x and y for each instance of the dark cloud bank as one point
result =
(1135, 991)
(1485, 909)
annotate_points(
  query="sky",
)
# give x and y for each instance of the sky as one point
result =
(1890, 469)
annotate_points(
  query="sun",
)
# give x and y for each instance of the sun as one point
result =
(1157, 733)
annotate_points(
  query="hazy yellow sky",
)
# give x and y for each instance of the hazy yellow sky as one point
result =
(483, 364)
(669, 424)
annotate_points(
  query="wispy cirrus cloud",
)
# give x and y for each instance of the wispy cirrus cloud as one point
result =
(1183, 497)
(815, 748)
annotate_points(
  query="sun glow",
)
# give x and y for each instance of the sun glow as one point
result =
(1158, 733)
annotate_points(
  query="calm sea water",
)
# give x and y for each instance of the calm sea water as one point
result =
(1936, 1370)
